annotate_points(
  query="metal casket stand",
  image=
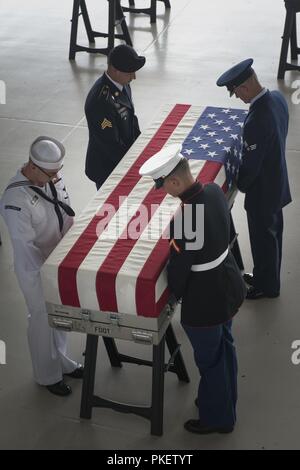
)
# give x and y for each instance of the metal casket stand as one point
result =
(176, 364)
(71, 319)
(154, 412)
(150, 331)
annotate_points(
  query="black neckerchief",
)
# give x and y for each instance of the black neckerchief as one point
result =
(57, 204)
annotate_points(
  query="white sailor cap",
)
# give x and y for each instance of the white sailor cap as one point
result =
(46, 152)
(160, 165)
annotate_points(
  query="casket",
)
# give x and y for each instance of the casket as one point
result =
(108, 274)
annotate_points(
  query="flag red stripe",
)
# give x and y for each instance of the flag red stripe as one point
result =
(225, 187)
(209, 172)
(67, 270)
(145, 297)
(108, 271)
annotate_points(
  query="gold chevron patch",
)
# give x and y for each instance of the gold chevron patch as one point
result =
(105, 123)
(175, 246)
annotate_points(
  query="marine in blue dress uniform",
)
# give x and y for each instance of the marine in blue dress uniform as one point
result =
(113, 125)
(207, 279)
(263, 175)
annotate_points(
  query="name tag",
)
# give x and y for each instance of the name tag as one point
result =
(34, 200)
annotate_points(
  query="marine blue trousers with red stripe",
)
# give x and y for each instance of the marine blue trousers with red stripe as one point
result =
(215, 356)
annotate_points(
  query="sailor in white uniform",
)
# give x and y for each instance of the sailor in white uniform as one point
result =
(35, 207)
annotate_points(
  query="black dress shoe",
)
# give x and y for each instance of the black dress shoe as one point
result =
(254, 293)
(60, 388)
(249, 279)
(77, 373)
(195, 426)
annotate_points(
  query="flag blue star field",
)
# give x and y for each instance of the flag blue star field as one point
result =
(217, 137)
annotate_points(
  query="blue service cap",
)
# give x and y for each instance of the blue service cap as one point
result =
(236, 75)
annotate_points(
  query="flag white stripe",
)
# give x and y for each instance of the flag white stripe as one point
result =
(130, 271)
(221, 177)
(126, 281)
(127, 276)
(49, 272)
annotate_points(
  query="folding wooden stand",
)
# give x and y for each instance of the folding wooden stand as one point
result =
(115, 17)
(151, 11)
(289, 37)
(154, 412)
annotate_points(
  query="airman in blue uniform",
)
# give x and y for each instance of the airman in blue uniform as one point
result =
(263, 175)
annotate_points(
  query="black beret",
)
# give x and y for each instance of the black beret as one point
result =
(236, 75)
(125, 59)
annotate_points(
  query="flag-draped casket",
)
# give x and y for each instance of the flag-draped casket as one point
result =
(114, 257)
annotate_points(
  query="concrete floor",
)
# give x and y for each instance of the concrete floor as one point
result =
(186, 51)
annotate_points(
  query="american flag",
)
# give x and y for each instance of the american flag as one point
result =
(217, 137)
(98, 268)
